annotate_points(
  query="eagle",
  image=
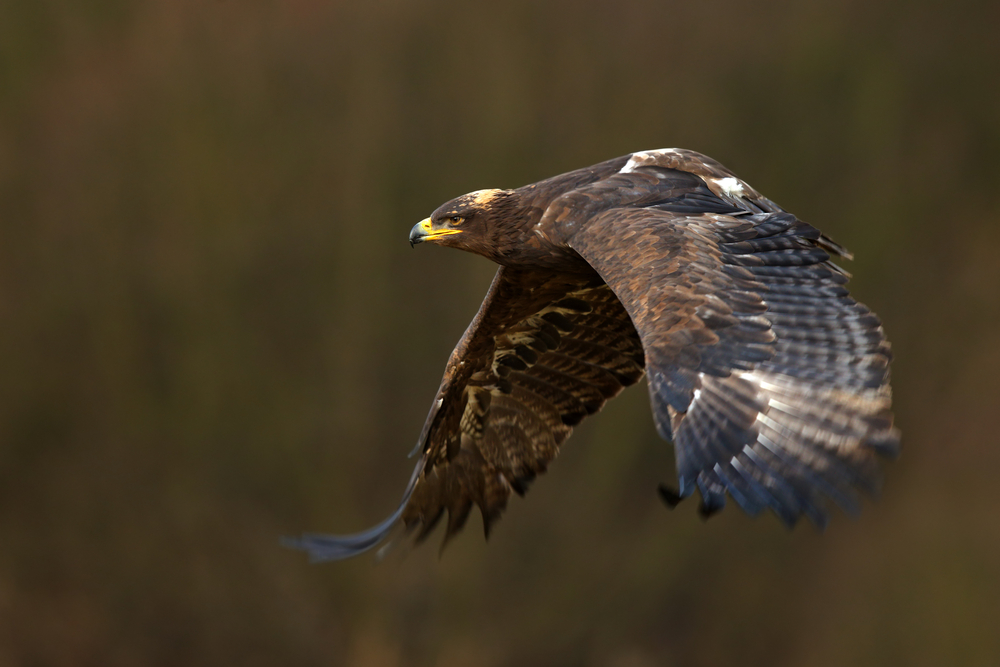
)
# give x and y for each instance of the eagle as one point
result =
(771, 382)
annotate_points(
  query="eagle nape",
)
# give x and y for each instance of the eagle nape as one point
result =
(768, 378)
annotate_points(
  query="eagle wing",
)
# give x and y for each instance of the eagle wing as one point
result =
(544, 351)
(771, 381)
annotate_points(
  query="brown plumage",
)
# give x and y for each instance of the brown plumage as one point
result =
(770, 380)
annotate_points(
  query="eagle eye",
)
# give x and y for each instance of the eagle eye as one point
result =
(456, 219)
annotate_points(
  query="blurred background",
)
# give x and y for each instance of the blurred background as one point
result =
(213, 331)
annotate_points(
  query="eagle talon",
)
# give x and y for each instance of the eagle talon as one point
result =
(708, 511)
(669, 496)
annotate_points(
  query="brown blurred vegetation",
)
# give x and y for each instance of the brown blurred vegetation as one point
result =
(214, 333)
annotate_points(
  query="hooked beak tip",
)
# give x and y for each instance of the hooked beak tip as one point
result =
(420, 231)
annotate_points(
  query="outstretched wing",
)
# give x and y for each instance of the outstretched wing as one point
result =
(769, 378)
(544, 351)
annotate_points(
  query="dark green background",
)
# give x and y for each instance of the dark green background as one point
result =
(213, 332)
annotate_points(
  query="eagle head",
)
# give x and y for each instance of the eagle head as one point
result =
(471, 222)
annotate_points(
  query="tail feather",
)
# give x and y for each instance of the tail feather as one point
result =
(323, 547)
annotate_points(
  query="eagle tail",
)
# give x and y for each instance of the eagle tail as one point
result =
(323, 547)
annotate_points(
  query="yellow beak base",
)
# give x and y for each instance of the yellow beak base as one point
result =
(423, 231)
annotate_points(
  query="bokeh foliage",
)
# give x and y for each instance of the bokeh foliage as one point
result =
(213, 331)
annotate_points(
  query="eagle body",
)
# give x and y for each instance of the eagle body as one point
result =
(769, 379)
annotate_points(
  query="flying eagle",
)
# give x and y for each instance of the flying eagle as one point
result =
(771, 382)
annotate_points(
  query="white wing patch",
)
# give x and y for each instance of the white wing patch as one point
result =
(728, 188)
(733, 187)
(644, 159)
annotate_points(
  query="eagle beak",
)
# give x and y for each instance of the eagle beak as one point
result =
(422, 231)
